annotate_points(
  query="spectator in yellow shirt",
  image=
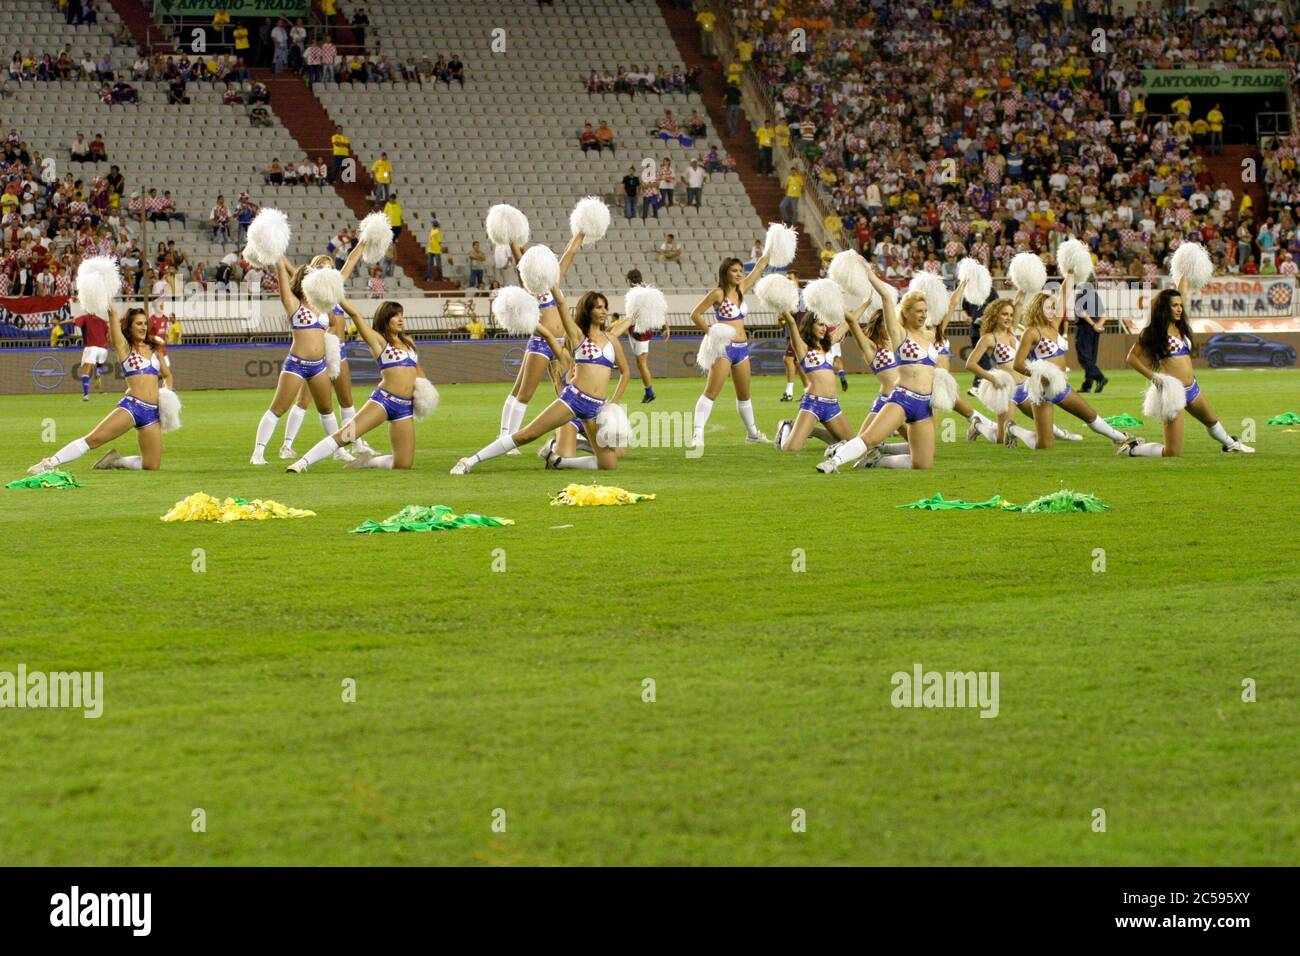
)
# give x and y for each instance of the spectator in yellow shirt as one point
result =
(174, 332)
(342, 148)
(393, 210)
(241, 39)
(221, 23)
(782, 133)
(834, 226)
(744, 51)
(1244, 208)
(734, 69)
(1215, 119)
(1183, 106)
(765, 135)
(790, 204)
(706, 20)
(382, 171)
(475, 327)
(433, 253)
(826, 255)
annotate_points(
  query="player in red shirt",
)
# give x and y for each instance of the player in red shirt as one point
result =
(158, 323)
(94, 337)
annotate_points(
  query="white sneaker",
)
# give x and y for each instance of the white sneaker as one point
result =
(545, 451)
(972, 430)
(108, 459)
(85, 398)
(696, 441)
(973, 392)
(758, 438)
(298, 467)
(342, 454)
(45, 464)
(827, 466)
(871, 458)
(1009, 438)
(361, 447)
(259, 458)
(782, 430)
(1237, 448)
(461, 467)
(287, 453)
(1069, 436)
(1125, 449)
(361, 458)
(832, 448)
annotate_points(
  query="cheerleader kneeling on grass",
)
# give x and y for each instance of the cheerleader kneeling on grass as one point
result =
(812, 342)
(596, 352)
(1041, 359)
(1163, 353)
(404, 395)
(147, 407)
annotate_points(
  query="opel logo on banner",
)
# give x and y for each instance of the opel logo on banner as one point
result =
(48, 372)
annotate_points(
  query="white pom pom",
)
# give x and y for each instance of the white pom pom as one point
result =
(997, 394)
(780, 246)
(1046, 381)
(778, 293)
(323, 289)
(612, 426)
(936, 296)
(98, 282)
(591, 218)
(169, 410)
(1074, 259)
(424, 400)
(850, 274)
(1027, 273)
(1191, 261)
(333, 355)
(515, 310)
(539, 270)
(943, 394)
(1164, 400)
(375, 236)
(714, 344)
(979, 282)
(824, 299)
(646, 307)
(268, 238)
(506, 224)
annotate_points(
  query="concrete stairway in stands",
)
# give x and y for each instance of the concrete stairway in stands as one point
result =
(1228, 169)
(765, 192)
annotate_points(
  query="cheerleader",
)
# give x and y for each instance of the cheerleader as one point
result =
(542, 354)
(812, 341)
(129, 335)
(1041, 359)
(596, 352)
(792, 366)
(305, 363)
(875, 344)
(727, 301)
(1163, 354)
(393, 401)
(980, 426)
(909, 402)
(341, 375)
(639, 342)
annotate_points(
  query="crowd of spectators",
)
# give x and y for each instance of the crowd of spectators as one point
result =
(986, 127)
(645, 81)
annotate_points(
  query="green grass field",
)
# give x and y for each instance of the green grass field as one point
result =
(522, 690)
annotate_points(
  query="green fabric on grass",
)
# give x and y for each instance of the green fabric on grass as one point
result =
(431, 518)
(47, 479)
(939, 503)
(1286, 418)
(1123, 420)
(1058, 502)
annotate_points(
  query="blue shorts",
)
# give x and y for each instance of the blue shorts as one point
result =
(142, 413)
(1192, 391)
(584, 406)
(578, 426)
(915, 406)
(1059, 397)
(878, 404)
(824, 408)
(305, 369)
(1021, 394)
(738, 352)
(539, 346)
(395, 406)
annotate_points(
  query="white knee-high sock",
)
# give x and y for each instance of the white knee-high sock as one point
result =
(329, 421)
(1099, 425)
(131, 463)
(587, 463)
(293, 422)
(321, 450)
(746, 410)
(895, 461)
(508, 415)
(1025, 436)
(789, 388)
(703, 408)
(1058, 431)
(517, 416)
(1219, 433)
(266, 428)
(895, 448)
(851, 450)
(499, 447)
(1148, 449)
(71, 451)
(988, 429)
(379, 461)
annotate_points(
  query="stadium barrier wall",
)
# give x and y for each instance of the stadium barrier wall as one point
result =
(44, 371)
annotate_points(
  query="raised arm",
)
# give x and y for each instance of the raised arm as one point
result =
(571, 331)
(571, 250)
(796, 340)
(893, 327)
(364, 329)
(284, 271)
(351, 262)
(954, 301)
(708, 302)
(120, 347)
(865, 344)
(756, 273)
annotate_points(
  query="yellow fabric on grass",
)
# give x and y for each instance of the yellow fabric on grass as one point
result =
(202, 507)
(583, 496)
